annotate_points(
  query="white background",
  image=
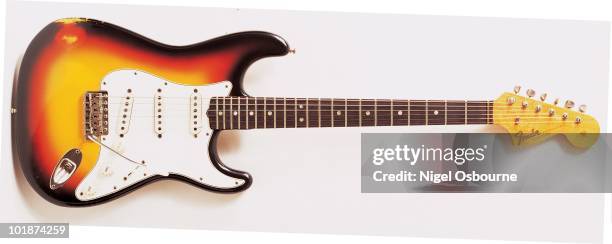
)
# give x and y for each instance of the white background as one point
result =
(531, 9)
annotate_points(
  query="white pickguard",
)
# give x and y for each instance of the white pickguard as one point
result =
(171, 138)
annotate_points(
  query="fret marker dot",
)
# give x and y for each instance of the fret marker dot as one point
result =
(367, 113)
(301, 119)
(399, 112)
(235, 113)
(251, 113)
(301, 106)
(220, 113)
(339, 113)
(435, 112)
(269, 113)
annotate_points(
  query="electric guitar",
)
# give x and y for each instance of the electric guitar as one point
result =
(96, 109)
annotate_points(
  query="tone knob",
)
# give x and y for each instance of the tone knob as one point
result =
(107, 171)
(90, 192)
(569, 104)
(530, 93)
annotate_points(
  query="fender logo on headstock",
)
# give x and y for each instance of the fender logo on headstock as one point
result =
(523, 136)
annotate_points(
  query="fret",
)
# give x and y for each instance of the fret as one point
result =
(279, 113)
(360, 112)
(270, 120)
(436, 112)
(375, 112)
(295, 104)
(290, 113)
(260, 113)
(339, 107)
(345, 112)
(466, 120)
(400, 112)
(319, 114)
(326, 117)
(234, 123)
(301, 113)
(353, 113)
(445, 112)
(226, 113)
(409, 115)
(383, 112)
(251, 110)
(242, 112)
(418, 115)
(455, 112)
(238, 109)
(313, 113)
(331, 112)
(307, 119)
(367, 112)
(392, 114)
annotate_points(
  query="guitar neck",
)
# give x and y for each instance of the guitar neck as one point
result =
(237, 113)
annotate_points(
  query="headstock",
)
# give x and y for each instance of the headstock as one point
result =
(531, 120)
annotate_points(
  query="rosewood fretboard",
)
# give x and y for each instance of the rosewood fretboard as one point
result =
(237, 113)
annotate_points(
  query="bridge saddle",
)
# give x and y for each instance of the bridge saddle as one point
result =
(96, 113)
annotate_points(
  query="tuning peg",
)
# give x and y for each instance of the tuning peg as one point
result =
(569, 104)
(582, 108)
(530, 93)
(556, 101)
(517, 89)
(543, 97)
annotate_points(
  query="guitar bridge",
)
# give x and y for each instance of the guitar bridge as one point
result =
(96, 113)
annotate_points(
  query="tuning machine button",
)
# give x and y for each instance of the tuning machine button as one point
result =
(582, 108)
(569, 104)
(517, 89)
(556, 101)
(530, 93)
(543, 97)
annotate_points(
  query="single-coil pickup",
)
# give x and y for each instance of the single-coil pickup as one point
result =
(125, 114)
(158, 106)
(195, 113)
